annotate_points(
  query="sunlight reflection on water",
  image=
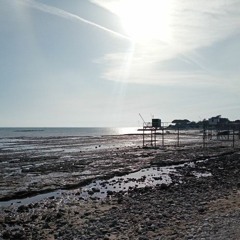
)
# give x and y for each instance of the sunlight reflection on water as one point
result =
(100, 188)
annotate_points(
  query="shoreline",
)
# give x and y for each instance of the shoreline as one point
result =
(19, 196)
(42, 165)
(189, 208)
(204, 184)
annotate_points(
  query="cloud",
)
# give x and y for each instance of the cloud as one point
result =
(194, 25)
(120, 68)
(70, 16)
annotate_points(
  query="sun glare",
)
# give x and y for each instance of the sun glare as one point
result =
(145, 19)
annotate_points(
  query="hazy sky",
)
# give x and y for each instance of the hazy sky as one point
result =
(84, 63)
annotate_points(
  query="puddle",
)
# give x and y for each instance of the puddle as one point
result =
(100, 189)
(26, 201)
(199, 175)
(146, 177)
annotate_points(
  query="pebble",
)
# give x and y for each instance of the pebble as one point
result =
(179, 212)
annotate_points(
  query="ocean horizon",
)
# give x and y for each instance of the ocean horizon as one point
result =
(11, 132)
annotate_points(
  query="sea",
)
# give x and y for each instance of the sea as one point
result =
(65, 132)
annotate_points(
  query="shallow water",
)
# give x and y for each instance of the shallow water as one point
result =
(146, 177)
(100, 189)
(64, 132)
(29, 200)
(29, 163)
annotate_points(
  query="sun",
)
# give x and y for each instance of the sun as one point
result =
(146, 19)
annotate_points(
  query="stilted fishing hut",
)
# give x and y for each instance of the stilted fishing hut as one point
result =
(152, 129)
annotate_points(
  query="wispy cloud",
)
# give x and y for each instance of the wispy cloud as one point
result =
(143, 72)
(70, 16)
(194, 26)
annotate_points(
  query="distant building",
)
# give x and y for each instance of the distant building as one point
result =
(214, 121)
(218, 121)
(224, 121)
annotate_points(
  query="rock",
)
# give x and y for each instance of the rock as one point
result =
(22, 209)
(87, 214)
(113, 223)
(46, 226)
(143, 238)
(164, 186)
(90, 192)
(120, 200)
(95, 190)
(6, 235)
(59, 215)
(201, 210)
(19, 235)
(109, 192)
(34, 217)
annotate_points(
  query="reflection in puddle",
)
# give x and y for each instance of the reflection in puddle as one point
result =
(199, 175)
(29, 200)
(100, 189)
(146, 177)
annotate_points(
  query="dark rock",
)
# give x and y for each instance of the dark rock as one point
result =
(87, 213)
(113, 223)
(19, 235)
(143, 238)
(6, 235)
(119, 200)
(46, 226)
(22, 209)
(59, 215)
(95, 189)
(109, 192)
(34, 217)
(201, 210)
(90, 192)
(164, 186)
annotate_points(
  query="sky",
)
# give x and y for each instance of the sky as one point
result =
(99, 63)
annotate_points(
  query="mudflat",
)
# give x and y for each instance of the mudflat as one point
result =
(201, 200)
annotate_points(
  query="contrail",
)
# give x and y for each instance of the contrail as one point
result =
(70, 16)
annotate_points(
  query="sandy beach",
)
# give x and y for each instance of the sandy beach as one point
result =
(112, 188)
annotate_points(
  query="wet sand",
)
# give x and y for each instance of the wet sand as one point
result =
(189, 192)
(38, 165)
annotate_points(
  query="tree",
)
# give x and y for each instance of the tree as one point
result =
(181, 121)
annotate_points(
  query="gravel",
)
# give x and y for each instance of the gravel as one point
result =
(190, 208)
